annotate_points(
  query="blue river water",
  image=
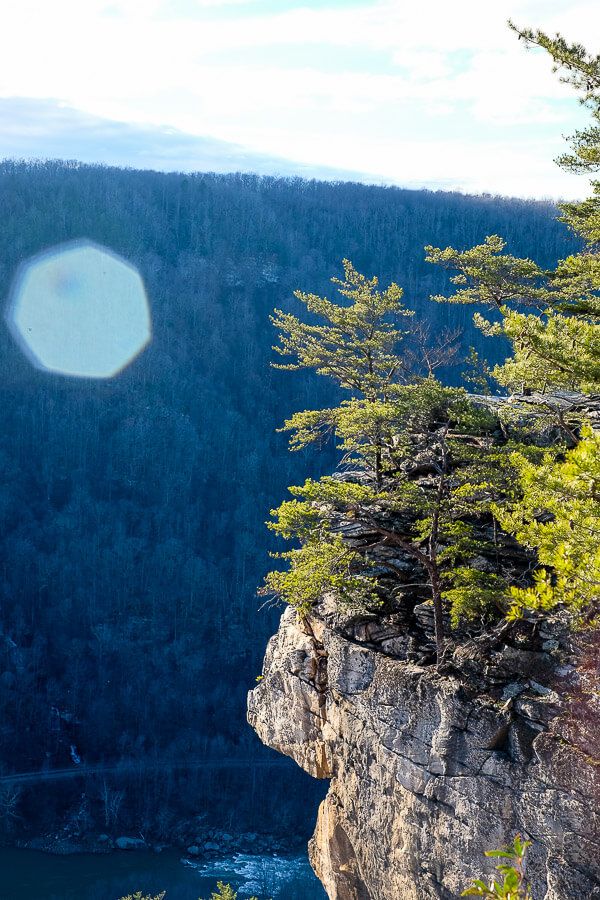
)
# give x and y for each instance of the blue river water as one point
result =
(32, 875)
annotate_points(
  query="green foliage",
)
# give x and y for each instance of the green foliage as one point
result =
(381, 430)
(558, 515)
(513, 885)
(581, 70)
(584, 217)
(555, 352)
(454, 444)
(225, 892)
(372, 430)
(558, 345)
(474, 595)
(487, 276)
(317, 568)
(478, 373)
(432, 467)
(357, 344)
(575, 283)
(139, 896)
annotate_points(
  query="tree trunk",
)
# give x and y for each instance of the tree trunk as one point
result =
(433, 569)
(438, 612)
(378, 466)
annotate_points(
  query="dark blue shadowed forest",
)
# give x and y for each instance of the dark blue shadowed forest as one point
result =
(132, 537)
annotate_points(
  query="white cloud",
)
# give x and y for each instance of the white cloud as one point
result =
(219, 4)
(411, 75)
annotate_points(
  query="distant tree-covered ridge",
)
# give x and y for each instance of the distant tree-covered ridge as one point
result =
(444, 480)
(132, 514)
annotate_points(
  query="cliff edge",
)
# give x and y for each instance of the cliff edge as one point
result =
(428, 768)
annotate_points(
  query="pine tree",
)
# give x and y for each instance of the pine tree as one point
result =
(556, 347)
(357, 344)
(360, 344)
(425, 465)
(556, 342)
(558, 516)
(429, 468)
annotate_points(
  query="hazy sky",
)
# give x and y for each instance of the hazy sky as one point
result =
(436, 93)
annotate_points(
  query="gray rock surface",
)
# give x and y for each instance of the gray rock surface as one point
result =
(430, 768)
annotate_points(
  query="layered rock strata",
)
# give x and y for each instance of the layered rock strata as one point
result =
(431, 767)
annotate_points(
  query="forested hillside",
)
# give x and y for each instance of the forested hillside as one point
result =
(132, 515)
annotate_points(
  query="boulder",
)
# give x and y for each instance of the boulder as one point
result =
(130, 843)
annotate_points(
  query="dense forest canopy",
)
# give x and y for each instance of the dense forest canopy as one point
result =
(132, 521)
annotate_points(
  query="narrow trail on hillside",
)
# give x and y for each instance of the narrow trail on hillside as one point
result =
(135, 766)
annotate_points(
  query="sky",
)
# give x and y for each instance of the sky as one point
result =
(437, 94)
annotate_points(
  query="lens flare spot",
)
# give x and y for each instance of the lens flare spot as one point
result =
(79, 309)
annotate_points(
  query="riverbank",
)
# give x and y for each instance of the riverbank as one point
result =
(190, 838)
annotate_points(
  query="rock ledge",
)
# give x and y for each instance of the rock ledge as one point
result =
(429, 769)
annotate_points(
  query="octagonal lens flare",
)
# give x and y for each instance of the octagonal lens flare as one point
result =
(78, 309)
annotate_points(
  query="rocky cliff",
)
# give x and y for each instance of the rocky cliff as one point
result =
(431, 767)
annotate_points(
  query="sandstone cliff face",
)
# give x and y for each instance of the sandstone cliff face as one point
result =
(428, 769)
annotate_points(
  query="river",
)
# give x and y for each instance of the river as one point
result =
(32, 875)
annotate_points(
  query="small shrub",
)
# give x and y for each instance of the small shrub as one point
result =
(513, 885)
(139, 896)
